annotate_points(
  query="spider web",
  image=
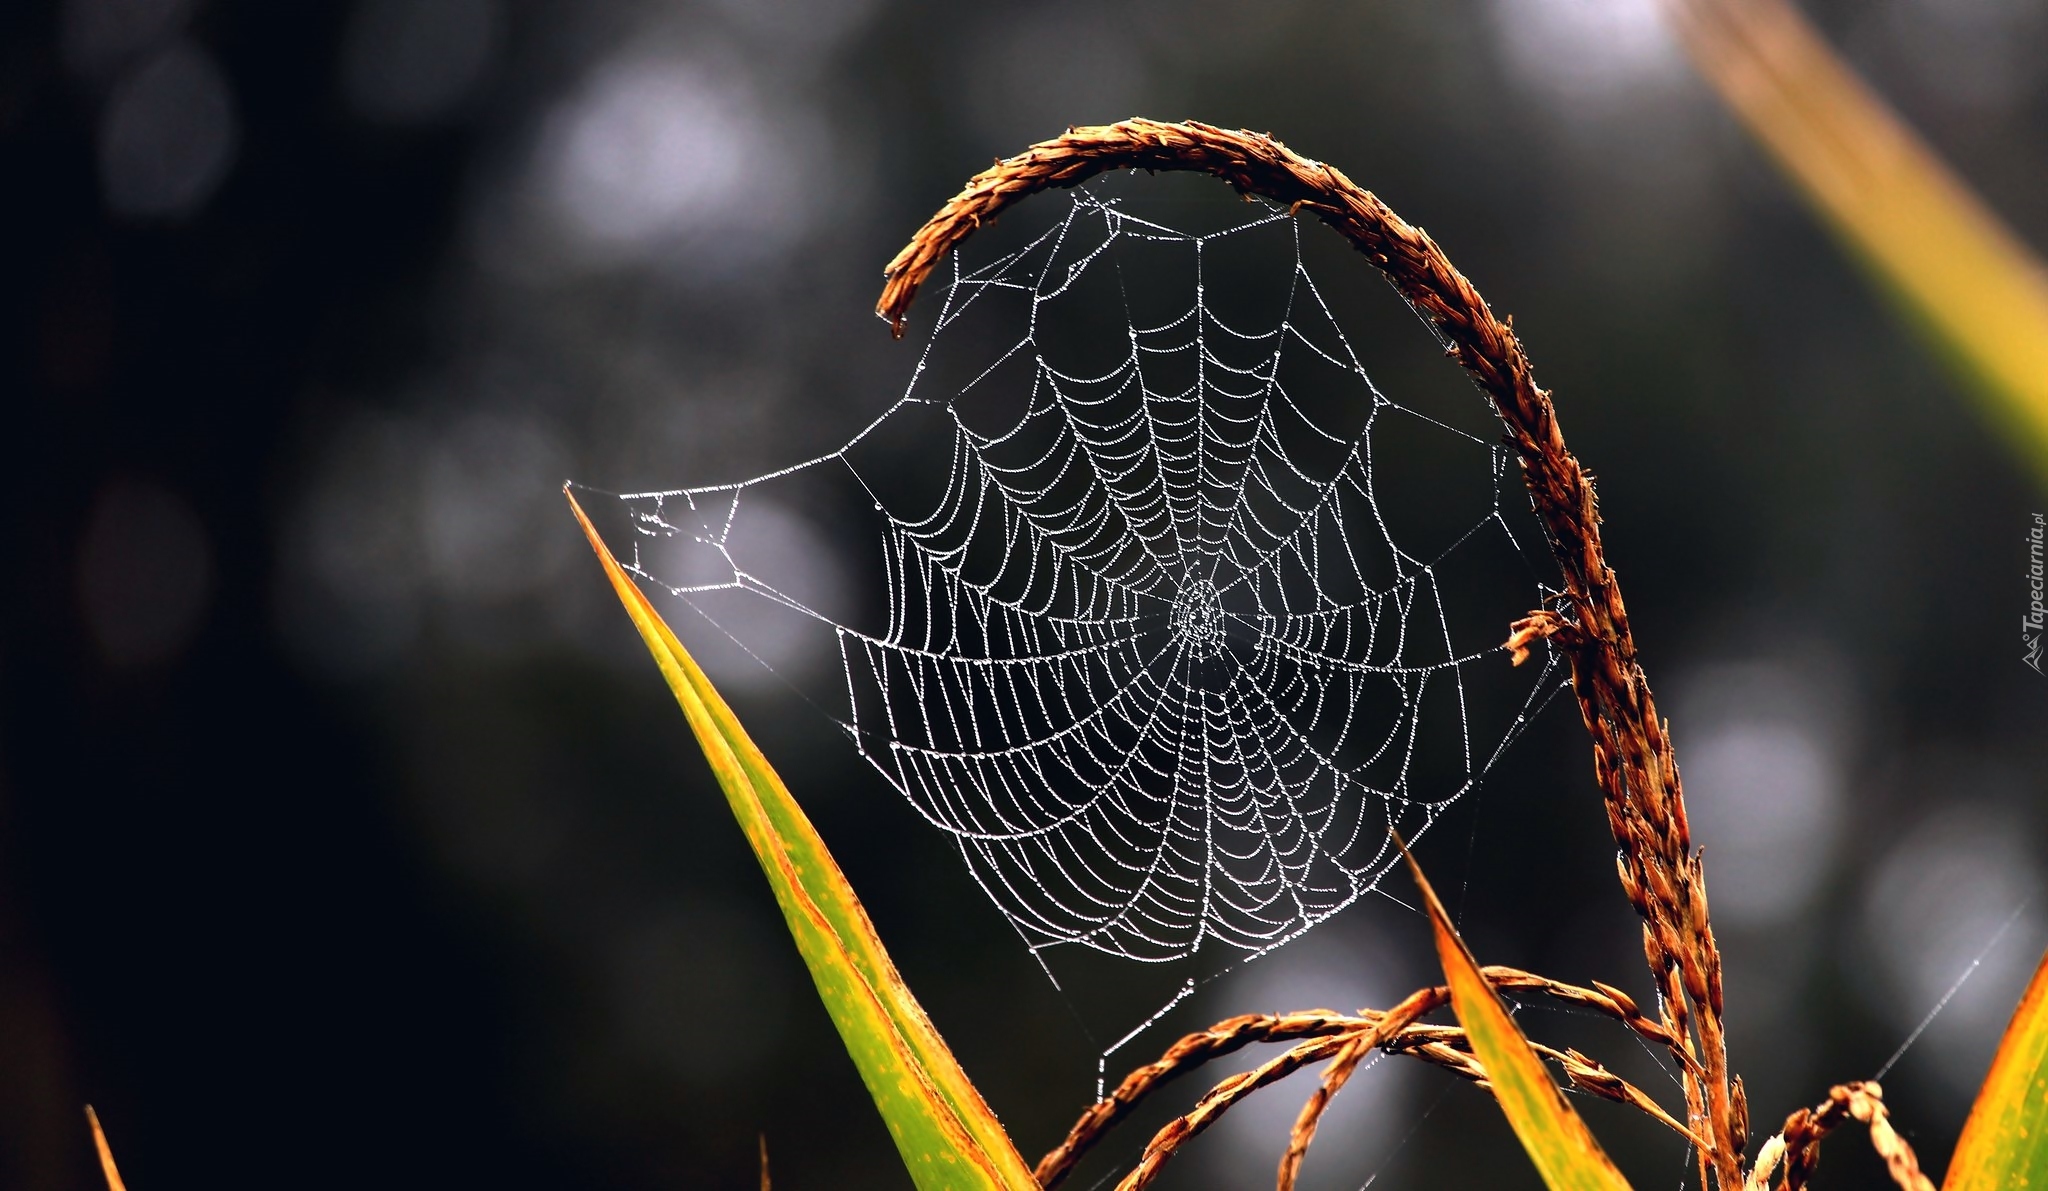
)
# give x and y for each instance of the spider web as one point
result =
(1175, 613)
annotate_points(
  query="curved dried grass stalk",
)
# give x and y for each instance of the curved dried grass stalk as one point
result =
(1433, 1044)
(1221, 1098)
(1321, 1034)
(1335, 1077)
(1601, 998)
(1224, 1038)
(1632, 755)
(1589, 1076)
(1798, 1143)
(1445, 1047)
(1235, 1033)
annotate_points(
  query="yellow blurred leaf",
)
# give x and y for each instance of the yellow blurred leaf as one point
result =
(2005, 1141)
(943, 1129)
(1552, 1132)
(1955, 266)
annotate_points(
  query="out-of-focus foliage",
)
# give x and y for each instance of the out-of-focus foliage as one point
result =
(1958, 270)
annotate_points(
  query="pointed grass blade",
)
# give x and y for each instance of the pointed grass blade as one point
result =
(2005, 1141)
(1924, 235)
(944, 1131)
(1554, 1135)
(106, 1152)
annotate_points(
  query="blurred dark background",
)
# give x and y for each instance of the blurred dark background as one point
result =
(347, 838)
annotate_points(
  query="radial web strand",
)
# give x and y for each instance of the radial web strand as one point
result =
(1174, 613)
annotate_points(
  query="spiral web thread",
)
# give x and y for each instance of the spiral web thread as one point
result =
(1153, 655)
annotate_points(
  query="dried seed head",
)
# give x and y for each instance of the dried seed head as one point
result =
(1620, 998)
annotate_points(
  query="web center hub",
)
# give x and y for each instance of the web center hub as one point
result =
(1197, 617)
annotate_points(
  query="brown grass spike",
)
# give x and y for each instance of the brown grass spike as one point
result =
(1223, 1038)
(1177, 1133)
(1799, 1141)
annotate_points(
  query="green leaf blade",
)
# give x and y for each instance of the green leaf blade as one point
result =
(942, 1127)
(2005, 1142)
(1556, 1138)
